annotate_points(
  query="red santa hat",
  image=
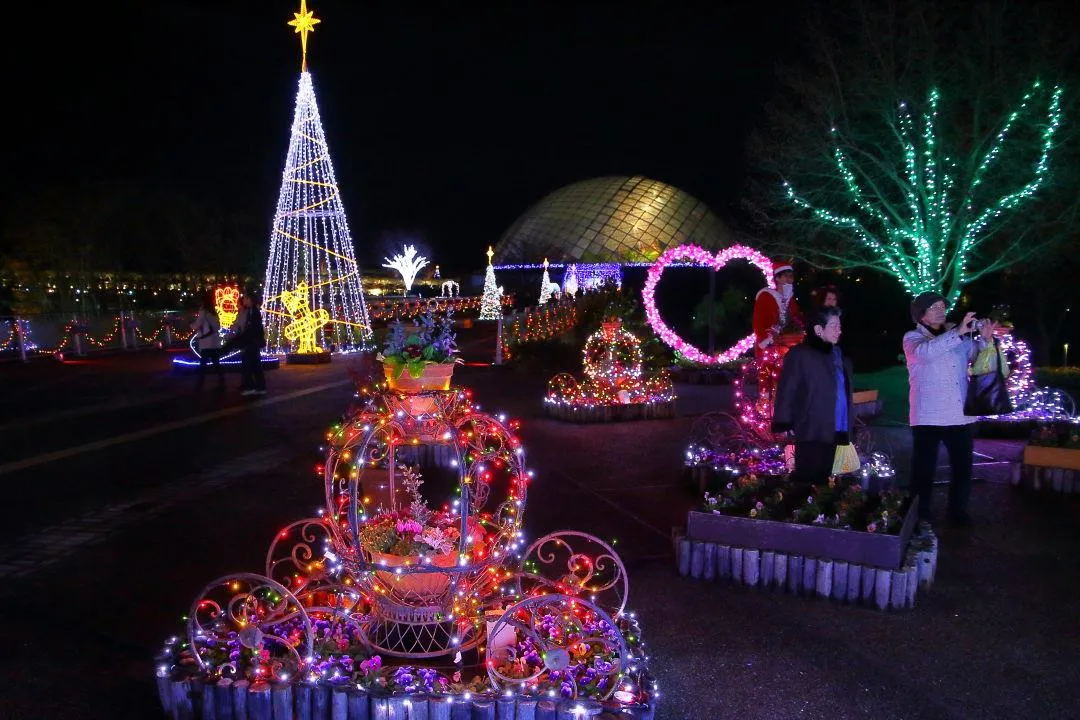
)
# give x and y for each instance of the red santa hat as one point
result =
(779, 266)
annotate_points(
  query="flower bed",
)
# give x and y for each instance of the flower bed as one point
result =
(835, 540)
(1051, 459)
(838, 520)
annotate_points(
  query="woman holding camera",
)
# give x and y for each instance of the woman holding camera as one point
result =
(938, 355)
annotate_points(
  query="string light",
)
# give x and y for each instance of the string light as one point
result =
(704, 258)
(613, 367)
(310, 244)
(928, 240)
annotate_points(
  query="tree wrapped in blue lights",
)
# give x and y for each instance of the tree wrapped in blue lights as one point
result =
(927, 213)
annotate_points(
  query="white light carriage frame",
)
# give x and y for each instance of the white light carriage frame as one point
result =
(310, 241)
(441, 428)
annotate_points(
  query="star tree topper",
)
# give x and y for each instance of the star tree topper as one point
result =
(304, 22)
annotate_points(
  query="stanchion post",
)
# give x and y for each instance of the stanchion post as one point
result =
(498, 340)
(18, 330)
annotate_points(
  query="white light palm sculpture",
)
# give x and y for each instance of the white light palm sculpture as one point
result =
(408, 263)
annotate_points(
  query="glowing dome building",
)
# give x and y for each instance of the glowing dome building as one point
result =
(602, 224)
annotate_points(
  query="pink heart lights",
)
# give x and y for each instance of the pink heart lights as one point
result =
(705, 258)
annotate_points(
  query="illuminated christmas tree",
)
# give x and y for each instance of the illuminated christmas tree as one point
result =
(310, 244)
(570, 284)
(927, 214)
(490, 302)
(547, 288)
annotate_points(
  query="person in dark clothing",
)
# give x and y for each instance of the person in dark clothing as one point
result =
(250, 337)
(813, 398)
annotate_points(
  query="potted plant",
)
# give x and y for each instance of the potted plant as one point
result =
(415, 537)
(422, 357)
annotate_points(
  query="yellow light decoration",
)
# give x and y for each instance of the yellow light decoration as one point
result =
(306, 322)
(304, 22)
(227, 304)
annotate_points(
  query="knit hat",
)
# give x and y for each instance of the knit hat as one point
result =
(779, 266)
(922, 303)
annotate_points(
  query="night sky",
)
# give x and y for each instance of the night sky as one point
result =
(445, 123)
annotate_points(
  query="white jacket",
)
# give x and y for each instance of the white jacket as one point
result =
(207, 322)
(937, 376)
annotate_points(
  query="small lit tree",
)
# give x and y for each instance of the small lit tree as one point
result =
(925, 213)
(547, 288)
(490, 302)
(408, 263)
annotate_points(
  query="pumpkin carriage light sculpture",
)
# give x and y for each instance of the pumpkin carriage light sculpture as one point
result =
(384, 575)
(615, 385)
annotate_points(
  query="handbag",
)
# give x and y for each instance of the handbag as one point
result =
(987, 393)
(846, 460)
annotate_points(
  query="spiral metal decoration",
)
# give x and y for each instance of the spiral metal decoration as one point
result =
(243, 615)
(561, 643)
(578, 564)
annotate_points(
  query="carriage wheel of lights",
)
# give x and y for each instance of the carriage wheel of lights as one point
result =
(425, 603)
(249, 613)
(575, 563)
(547, 637)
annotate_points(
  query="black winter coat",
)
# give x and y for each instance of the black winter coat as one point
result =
(806, 394)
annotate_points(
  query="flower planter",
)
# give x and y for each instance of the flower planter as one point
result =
(1049, 468)
(864, 548)
(435, 376)
(866, 403)
(313, 358)
(884, 571)
(610, 413)
(197, 698)
(420, 583)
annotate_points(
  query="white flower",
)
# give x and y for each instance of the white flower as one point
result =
(437, 539)
(820, 519)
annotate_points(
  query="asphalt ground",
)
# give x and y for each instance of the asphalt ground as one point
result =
(126, 491)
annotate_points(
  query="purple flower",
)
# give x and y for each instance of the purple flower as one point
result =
(428, 677)
(372, 664)
(403, 676)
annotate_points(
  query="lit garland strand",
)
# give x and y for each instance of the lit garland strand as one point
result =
(927, 242)
(539, 324)
(1029, 401)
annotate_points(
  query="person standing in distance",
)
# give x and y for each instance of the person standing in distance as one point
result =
(207, 329)
(937, 355)
(250, 338)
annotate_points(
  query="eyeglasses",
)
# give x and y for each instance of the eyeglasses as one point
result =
(937, 306)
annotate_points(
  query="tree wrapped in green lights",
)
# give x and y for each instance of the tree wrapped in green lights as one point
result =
(927, 215)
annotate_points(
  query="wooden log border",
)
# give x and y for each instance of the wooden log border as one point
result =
(827, 578)
(610, 413)
(1046, 479)
(196, 698)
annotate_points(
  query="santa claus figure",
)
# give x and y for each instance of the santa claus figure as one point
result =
(775, 310)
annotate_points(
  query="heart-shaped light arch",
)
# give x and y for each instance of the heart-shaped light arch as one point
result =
(705, 258)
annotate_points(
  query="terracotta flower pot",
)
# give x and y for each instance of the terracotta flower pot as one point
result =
(420, 583)
(436, 376)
